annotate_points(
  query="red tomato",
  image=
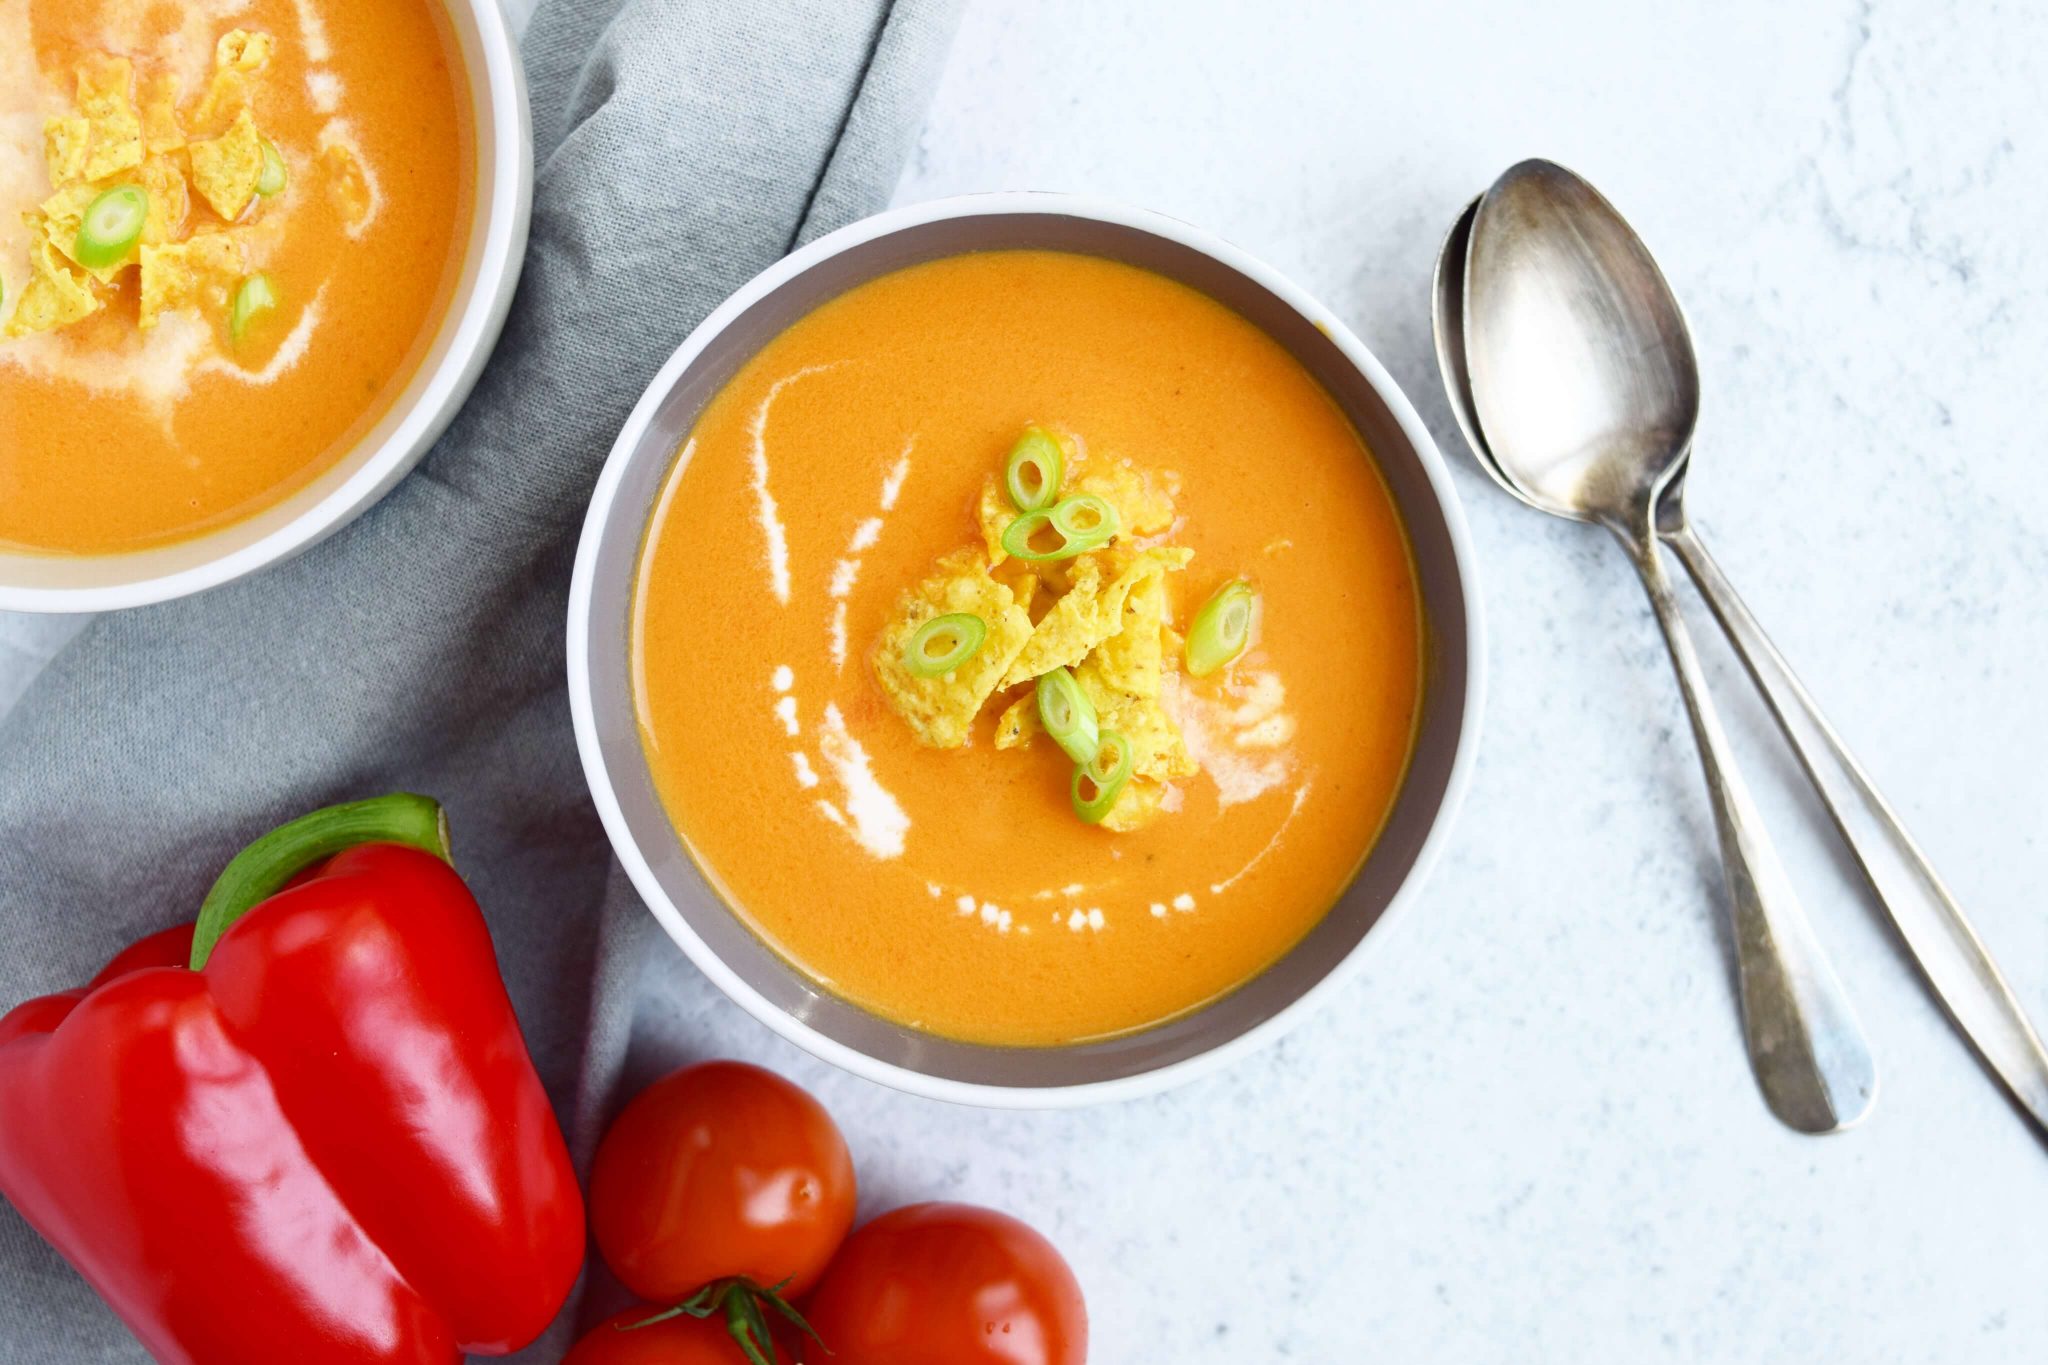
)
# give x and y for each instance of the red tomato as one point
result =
(677, 1341)
(948, 1284)
(720, 1171)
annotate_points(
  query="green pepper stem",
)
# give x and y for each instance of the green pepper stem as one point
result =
(261, 870)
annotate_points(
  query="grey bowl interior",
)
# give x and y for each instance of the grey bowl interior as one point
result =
(1315, 956)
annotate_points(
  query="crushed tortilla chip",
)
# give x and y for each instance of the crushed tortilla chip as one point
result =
(1075, 625)
(237, 57)
(1092, 610)
(1025, 586)
(161, 131)
(62, 215)
(1143, 499)
(65, 144)
(1018, 723)
(940, 711)
(169, 201)
(104, 99)
(348, 184)
(994, 513)
(105, 136)
(1157, 750)
(1106, 619)
(1140, 802)
(1134, 659)
(55, 296)
(225, 169)
(181, 275)
(1022, 583)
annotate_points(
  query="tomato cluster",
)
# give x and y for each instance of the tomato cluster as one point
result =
(722, 1196)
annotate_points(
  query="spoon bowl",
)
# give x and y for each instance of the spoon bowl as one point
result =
(1581, 367)
(1447, 316)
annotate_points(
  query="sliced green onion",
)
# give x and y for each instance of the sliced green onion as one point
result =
(1085, 517)
(274, 177)
(1096, 786)
(1222, 628)
(1068, 715)
(944, 643)
(256, 295)
(111, 227)
(1082, 523)
(1034, 470)
(1019, 538)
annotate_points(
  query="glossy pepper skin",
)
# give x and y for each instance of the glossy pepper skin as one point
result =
(328, 1145)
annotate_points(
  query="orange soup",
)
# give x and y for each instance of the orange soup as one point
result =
(228, 231)
(922, 851)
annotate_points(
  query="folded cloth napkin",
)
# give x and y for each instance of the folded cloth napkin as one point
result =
(683, 145)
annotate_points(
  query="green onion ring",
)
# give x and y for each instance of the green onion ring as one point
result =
(944, 643)
(1017, 537)
(1035, 463)
(111, 227)
(256, 295)
(1093, 791)
(1222, 628)
(1068, 716)
(1083, 522)
(275, 176)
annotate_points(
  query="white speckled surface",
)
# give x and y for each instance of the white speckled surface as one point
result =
(1527, 1132)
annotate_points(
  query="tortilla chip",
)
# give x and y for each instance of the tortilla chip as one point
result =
(188, 274)
(225, 169)
(55, 296)
(994, 513)
(65, 144)
(1136, 806)
(62, 214)
(237, 57)
(161, 131)
(1143, 499)
(940, 711)
(1075, 625)
(170, 203)
(1025, 587)
(1018, 723)
(1092, 610)
(1157, 750)
(104, 98)
(348, 184)
(1134, 659)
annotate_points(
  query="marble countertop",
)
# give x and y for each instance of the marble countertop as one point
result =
(1526, 1131)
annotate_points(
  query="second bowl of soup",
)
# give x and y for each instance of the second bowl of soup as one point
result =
(1021, 646)
(252, 255)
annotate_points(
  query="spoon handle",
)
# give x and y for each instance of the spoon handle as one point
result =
(1948, 950)
(1805, 1046)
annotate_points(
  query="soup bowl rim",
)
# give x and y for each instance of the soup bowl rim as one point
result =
(631, 446)
(497, 227)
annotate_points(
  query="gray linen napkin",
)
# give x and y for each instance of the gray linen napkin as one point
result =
(683, 145)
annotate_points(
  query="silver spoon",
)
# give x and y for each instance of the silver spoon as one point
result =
(1580, 373)
(1951, 956)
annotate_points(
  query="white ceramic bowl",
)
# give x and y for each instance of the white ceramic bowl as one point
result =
(745, 968)
(469, 329)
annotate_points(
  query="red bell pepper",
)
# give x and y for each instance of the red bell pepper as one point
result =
(306, 1129)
